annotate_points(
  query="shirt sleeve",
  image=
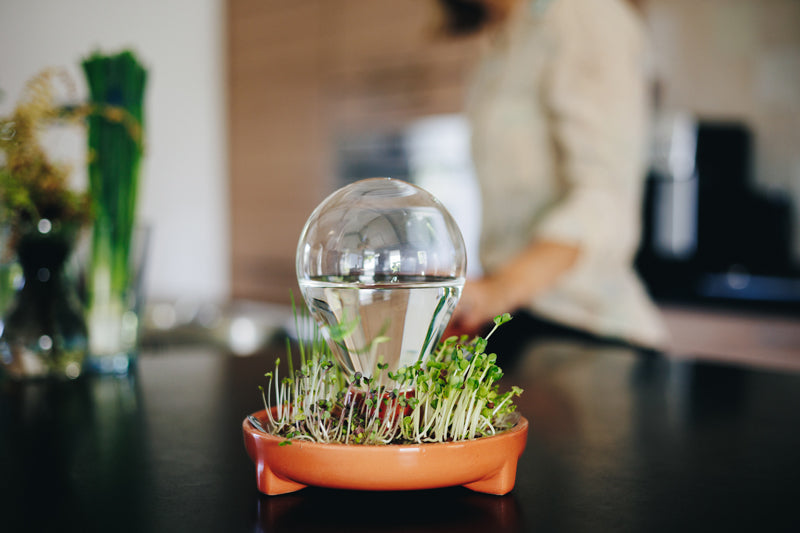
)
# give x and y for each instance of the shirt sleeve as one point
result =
(595, 94)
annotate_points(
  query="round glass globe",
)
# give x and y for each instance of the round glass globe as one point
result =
(381, 264)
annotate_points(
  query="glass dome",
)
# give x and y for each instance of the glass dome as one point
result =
(381, 264)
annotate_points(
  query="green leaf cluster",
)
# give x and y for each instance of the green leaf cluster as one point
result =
(116, 97)
(32, 186)
(452, 396)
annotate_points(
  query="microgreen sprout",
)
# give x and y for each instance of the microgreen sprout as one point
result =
(454, 395)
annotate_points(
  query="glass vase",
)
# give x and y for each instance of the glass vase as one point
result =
(116, 299)
(10, 273)
(44, 329)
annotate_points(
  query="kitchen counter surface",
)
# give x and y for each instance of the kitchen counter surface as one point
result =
(619, 441)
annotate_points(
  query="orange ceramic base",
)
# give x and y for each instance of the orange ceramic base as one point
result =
(486, 464)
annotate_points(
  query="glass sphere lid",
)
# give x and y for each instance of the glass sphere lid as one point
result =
(380, 230)
(381, 264)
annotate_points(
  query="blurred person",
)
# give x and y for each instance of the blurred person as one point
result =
(558, 113)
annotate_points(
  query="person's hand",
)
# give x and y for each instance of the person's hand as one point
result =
(481, 300)
(511, 286)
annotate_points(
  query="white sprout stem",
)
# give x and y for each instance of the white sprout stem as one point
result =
(504, 400)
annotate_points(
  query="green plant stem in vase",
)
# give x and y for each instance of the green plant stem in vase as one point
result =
(116, 86)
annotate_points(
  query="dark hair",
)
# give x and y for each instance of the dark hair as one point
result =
(463, 17)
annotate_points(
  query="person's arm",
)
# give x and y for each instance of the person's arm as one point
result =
(513, 285)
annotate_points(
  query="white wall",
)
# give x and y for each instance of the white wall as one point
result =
(184, 182)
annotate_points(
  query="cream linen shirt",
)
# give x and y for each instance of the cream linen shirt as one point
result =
(558, 116)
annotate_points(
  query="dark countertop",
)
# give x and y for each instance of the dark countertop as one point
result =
(619, 441)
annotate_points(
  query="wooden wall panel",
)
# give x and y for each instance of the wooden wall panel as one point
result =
(302, 74)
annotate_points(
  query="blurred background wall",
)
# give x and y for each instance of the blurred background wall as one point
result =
(257, 109)
(184, 187)
(318, 88)
(323, 91)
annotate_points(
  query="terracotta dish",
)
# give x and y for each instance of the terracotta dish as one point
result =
(486, 464)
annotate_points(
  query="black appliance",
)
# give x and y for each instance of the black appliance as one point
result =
(709, 234)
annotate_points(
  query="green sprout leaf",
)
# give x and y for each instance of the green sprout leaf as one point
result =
(453, 395)
(502, 319)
